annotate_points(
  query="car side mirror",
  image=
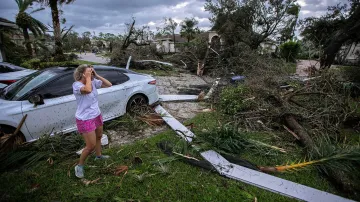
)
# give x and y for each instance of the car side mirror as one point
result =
(36, 100)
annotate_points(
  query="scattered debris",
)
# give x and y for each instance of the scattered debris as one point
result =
(88, 182)
(212, 89)
(9, 142)
(155, 61)
(50, 161)
(121, 169)
(128, 63)
(152, 119)
(136, 161)
(34, 187)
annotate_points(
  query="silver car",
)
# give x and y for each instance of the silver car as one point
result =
(53, 110)
(10, 73)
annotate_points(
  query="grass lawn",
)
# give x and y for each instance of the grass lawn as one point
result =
(147, 181)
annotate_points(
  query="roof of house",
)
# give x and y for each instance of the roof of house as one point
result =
(178, 38)
(7, 23)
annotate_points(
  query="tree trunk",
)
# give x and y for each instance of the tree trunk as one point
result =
(305, 139)
(201, 64)
(59, 55)
(174, 40)
(126, 42)
(331, 50)
(27, 41)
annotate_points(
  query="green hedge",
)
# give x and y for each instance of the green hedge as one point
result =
(290, 50)
(38, 65)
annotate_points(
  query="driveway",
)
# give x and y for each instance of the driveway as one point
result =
(91, 57)
(180, 110)
(302, 67)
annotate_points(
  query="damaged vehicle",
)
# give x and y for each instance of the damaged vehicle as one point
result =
(47, 98)
(10, 73)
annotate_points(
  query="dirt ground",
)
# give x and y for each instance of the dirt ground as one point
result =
(180, 110)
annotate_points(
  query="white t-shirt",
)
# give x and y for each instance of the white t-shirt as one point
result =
(87, 104)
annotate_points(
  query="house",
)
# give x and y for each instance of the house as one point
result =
(166, 43)
(349, 54)
(5, 24)
(268, 46)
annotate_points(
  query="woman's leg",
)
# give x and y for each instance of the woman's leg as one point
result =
(90, 140)
(98, 132)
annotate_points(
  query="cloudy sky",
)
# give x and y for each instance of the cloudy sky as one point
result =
(110, 15)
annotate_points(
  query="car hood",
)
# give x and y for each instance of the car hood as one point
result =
(16, 75)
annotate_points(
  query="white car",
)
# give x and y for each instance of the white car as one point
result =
(54, 108)
(10, 73)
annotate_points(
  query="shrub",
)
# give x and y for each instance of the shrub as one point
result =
(72, 57)
(235, 99)
(36, 64)
(351, 73)
(31, 64)
(290, 50)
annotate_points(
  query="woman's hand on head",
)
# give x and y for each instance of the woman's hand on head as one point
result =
(94, 72)
(88, 73)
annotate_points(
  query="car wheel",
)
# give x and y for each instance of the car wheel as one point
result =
(135, 103)
(8, 141)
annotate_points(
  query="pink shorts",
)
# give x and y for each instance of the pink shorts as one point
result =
(89, 125)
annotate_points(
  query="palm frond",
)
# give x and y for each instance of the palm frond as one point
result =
(24, 4)
(40, 25)
(67, 32)
(37, 10)
(19, 3)
(57, 147)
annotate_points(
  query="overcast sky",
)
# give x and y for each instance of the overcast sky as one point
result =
(110, 15)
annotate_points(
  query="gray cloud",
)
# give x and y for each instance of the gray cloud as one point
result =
(110, 15)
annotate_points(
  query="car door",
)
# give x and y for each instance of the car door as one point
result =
(112, 100)
(58, 111)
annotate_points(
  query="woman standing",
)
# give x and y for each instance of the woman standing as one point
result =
(88, 116)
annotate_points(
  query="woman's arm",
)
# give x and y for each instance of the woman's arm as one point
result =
(88, 87)
(105, 82)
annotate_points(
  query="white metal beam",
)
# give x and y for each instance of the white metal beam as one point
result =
(179, 128)
(268, 182)
(169, 98)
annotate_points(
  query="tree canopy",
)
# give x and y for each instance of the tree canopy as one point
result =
(253, 21)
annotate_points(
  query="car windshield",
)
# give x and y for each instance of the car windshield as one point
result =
(26, 84)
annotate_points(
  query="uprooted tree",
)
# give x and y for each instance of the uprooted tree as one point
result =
(136, 43)
(340, 26)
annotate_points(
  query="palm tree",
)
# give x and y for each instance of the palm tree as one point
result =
(53, 4)
(188, 29)
(26, 22)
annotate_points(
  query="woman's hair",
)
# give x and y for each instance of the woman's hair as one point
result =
(79, 71)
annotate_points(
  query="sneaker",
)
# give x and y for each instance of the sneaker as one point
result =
(79, 171)
(102, 157)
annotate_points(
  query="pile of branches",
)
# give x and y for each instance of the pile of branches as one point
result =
(317, 107)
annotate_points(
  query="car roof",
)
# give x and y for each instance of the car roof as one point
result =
(12, 65)
(70, 68)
